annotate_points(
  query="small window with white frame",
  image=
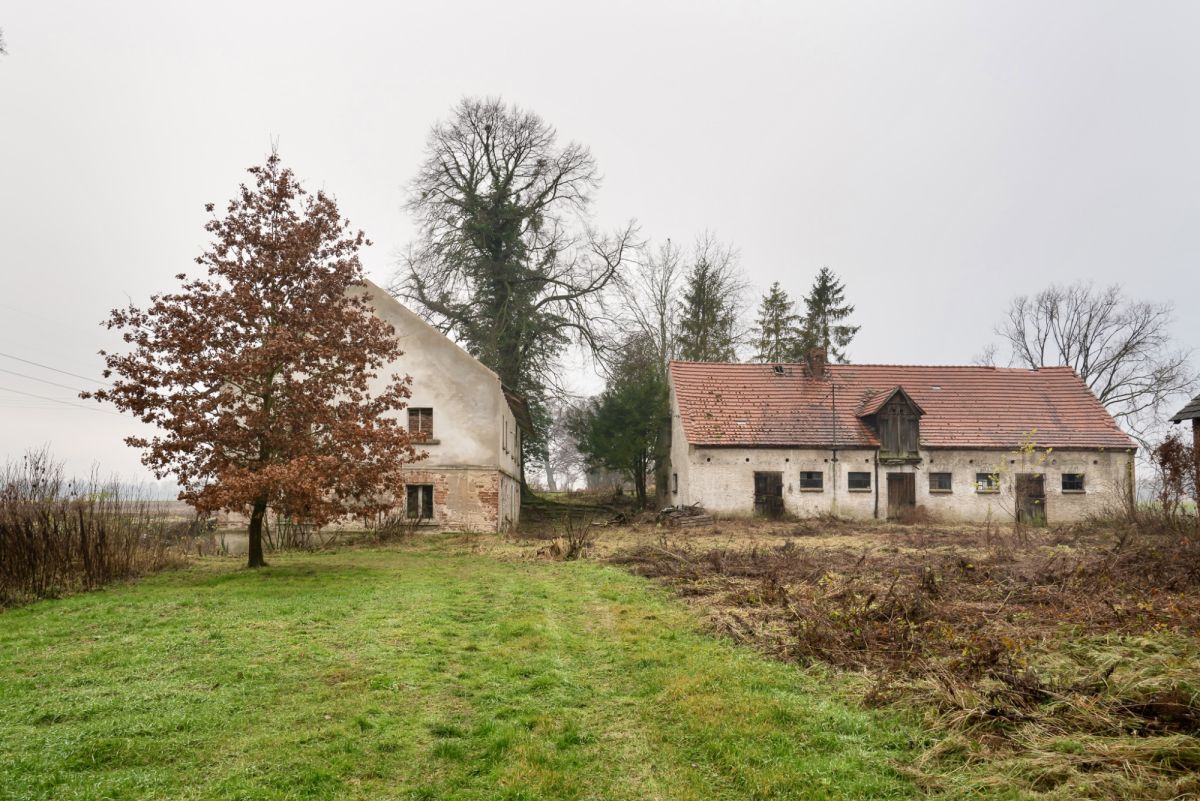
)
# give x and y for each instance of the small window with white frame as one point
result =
(1072, 482)
(987, 482)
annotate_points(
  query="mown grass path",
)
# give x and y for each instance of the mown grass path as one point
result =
(413, 673)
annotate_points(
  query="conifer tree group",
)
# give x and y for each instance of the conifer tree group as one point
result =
(783, 335)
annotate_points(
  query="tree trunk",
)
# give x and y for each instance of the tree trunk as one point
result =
(1196, 465)
(257, 513)
(550, 483)
(639, 486)
(662, 464)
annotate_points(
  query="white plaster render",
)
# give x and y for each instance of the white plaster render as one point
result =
(475, 432)
(722, 479)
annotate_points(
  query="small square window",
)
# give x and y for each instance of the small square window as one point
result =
(1072, 482)
(941, 482)
(860, 482)
(812, 480)
(420, 423)
(987, 482)
(420, 502)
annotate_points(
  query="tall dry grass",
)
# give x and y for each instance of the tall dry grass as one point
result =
(61, 535)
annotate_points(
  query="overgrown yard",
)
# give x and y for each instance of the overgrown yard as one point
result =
(426, 671)
(1062, 663)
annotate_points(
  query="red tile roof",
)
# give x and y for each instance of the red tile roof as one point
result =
(965, 407)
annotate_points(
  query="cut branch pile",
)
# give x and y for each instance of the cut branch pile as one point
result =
(685, 516)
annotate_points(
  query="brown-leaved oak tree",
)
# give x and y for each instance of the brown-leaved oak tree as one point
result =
(258, 375)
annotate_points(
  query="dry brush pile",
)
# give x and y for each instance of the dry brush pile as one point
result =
(1067, 660)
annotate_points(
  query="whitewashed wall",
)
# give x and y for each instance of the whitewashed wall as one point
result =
(476, 440)
(722, 480)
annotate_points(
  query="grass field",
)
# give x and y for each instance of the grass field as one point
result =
(423, 672)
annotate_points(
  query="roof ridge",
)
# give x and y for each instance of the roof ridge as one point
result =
(841, 366)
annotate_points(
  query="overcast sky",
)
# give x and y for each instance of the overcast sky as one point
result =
(940, 157)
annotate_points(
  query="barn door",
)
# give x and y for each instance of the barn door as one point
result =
(768, 494)
(902, 493)
(1031, 499)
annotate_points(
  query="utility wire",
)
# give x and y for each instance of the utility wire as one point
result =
(55, 369)
(56, 400)
(44, 381)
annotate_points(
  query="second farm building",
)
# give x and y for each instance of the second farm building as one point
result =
(965, 443)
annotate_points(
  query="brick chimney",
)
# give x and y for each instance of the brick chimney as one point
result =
(817, 359)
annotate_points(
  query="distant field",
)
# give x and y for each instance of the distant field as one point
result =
(431, 671)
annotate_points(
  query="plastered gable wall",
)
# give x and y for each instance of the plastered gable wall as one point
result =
(473, 462)
(465, 396)
(679, 483)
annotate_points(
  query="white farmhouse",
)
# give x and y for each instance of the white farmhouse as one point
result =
(964, 443)
(464, 419)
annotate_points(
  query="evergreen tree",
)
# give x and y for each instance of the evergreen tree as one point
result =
(825, 313)
(776, 332)
(709, 311)
(620, 429)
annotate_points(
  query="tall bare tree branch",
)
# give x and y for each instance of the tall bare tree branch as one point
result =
(1120, 347)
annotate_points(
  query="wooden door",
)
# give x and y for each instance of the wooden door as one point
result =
(902, 493)
(1031, 499)
(768, 494)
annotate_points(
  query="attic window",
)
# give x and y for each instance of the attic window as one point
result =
(778, 369)
(420, 423)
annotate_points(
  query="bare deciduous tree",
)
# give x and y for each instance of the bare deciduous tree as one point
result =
(563, 465)
(1120, 347)
(507, 260)
(651, 300)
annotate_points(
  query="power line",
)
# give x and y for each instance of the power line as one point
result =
(55, 369)
(56, 400)
(44, 381)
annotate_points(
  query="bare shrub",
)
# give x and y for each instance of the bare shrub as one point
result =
(59, 535)
(394, 526)
(577, 537)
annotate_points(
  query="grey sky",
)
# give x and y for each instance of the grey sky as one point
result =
(940, 157)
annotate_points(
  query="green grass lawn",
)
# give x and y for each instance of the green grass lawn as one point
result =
(419, 672)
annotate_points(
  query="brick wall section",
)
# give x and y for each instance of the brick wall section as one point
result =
(463, 500)
(487, 492)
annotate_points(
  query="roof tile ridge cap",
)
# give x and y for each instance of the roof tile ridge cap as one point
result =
(924, 366)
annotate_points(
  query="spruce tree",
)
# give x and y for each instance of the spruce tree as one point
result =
(825, 313)
(776, 331)
(709, 311)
